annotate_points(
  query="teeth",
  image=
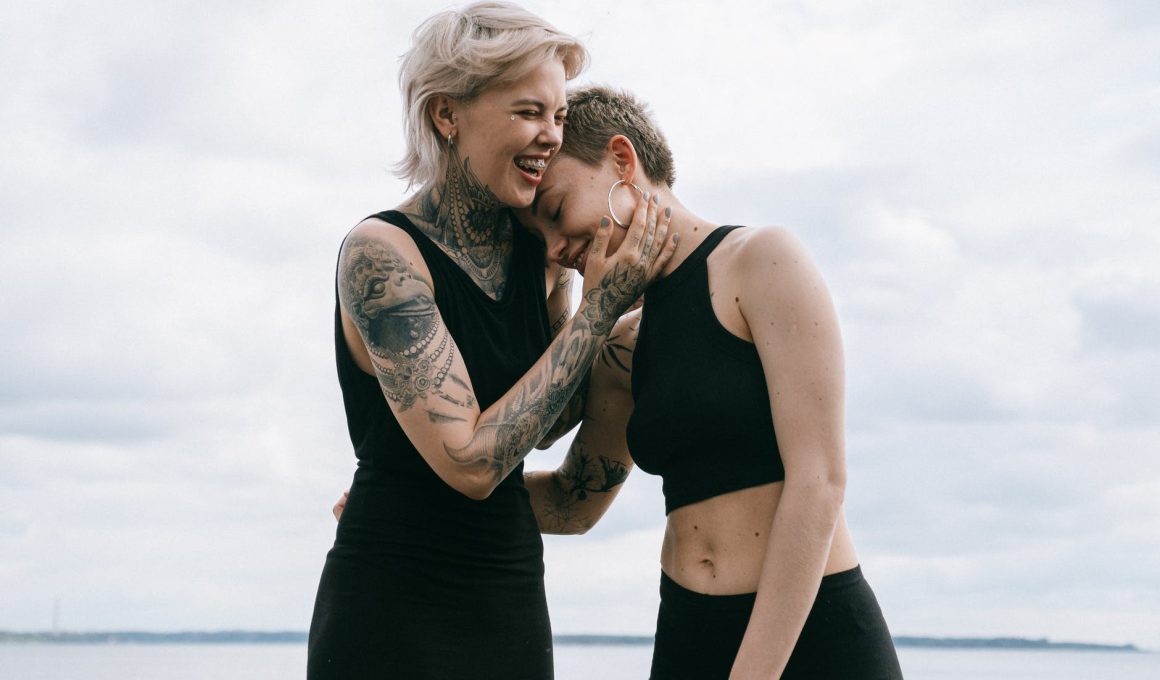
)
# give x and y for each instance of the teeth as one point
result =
(532, 165)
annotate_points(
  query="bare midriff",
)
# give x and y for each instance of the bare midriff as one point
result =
(717, 546)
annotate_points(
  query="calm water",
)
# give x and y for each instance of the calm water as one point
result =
(287, 662)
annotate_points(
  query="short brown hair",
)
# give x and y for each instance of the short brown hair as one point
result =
(598, 113)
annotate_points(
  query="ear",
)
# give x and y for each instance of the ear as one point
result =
(623, 155)
(441, 109)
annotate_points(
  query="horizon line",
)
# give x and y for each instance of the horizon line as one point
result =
(243, 636)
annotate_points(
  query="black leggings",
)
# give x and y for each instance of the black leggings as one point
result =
(844, 637)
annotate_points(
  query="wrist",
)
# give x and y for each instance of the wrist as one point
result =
(600, 318)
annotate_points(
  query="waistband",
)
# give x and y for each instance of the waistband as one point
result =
(671, 590)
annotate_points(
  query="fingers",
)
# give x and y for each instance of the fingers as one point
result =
(636, 230)
(650, 229)
(340, 505)
(597, 249)
(661, 244)
(665, 254)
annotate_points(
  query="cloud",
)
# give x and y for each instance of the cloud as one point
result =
(976, 184)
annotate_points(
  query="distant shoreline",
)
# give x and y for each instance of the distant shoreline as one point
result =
(298, 637)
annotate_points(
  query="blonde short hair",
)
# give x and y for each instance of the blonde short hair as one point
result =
(462, 53)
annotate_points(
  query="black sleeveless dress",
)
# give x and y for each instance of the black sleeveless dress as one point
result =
(423, 582)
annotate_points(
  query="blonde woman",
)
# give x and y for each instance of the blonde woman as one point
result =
(448, 367)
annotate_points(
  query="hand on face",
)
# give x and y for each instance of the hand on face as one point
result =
(614, 281)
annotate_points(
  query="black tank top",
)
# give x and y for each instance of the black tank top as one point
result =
(399, 509)
(701, 418)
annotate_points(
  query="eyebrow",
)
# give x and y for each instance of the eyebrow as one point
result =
(536, 102)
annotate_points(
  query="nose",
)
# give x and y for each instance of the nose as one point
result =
(552, 135)
(557, 248)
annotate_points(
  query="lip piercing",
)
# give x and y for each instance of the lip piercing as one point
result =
(610, 211)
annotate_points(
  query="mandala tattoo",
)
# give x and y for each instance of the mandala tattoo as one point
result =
(470, 223)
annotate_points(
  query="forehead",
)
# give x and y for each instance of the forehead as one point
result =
(559, 179)
(545, 83)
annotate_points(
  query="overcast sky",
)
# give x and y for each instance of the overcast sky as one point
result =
(979, 181)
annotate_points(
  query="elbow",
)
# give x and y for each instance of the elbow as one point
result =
(831, 490)
(824, 489)
(834, 483)
(475, 484)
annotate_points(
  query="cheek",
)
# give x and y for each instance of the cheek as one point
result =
(618, 234)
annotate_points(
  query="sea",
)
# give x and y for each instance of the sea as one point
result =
(38, 661)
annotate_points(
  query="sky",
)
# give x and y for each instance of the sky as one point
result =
(978, 181)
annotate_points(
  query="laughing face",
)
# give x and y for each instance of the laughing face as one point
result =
(570, 202)
(509, 132)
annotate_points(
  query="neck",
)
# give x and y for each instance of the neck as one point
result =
(692, 229)
(459, 211)
(467, 220)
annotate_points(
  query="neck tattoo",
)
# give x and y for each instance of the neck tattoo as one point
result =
(469, 222)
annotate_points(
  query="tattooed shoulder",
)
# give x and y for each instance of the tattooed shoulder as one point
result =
(393, 306)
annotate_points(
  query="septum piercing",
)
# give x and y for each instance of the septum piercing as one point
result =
(615, 184)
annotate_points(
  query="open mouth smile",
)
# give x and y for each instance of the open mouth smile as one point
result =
(532, 167)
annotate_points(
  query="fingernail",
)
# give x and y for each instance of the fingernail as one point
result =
(668, 212)
(646, 195)
(676, 239)
(603, 222)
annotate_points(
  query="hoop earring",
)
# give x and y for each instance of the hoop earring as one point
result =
(610, 210)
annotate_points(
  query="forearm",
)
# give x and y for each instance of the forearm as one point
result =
(569, 418)
(796, 556)
(573, 498)
(507, 431)
(551, 503)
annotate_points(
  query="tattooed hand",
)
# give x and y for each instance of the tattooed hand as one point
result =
(613, 282)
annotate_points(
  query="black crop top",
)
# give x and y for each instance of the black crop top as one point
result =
(702, 419)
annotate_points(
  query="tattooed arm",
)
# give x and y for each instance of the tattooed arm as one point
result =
(388, 305)
(559, 309)
(573, 497)
(559, 295)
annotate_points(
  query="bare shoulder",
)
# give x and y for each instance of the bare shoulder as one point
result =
(764, 246)
(373, 229)
(376, 240)
(770, 256)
